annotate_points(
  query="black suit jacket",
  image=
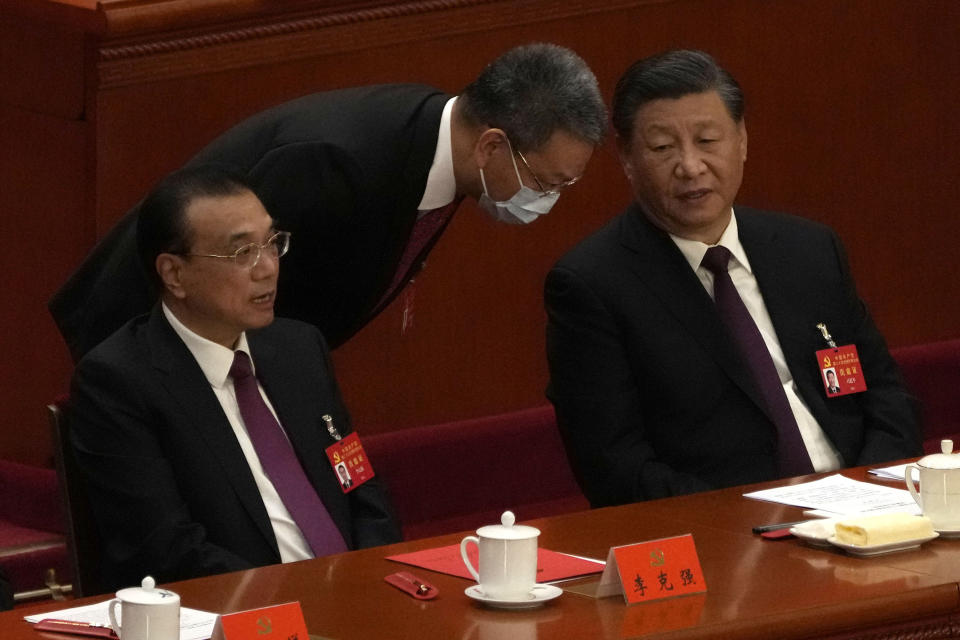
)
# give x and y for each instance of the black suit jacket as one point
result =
(342, 170)
(171, 491)
(651, 394)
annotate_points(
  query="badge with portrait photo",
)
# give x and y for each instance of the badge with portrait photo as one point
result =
(840, 371)
(349, 462)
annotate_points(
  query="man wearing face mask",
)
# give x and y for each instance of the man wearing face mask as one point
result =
(367, 179)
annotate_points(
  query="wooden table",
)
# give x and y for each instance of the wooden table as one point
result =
(757, 588)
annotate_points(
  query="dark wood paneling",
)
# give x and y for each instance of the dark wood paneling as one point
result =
(41, 67)
(43, 225)
(850, 116)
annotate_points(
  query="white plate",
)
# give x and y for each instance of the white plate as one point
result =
(815, 532)
(538, 595)
(876, 549)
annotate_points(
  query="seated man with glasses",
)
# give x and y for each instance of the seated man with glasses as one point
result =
(201, 427)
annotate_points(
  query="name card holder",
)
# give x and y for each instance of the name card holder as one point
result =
(651, 570)
(278, 622)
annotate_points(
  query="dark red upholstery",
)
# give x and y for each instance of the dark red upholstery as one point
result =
(462, 475)
(31, 526)
(456, 476)
(932, 372)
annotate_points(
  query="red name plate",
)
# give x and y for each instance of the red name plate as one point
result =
(656, 569)
(349, 462)
(279, 622)
(841, 367)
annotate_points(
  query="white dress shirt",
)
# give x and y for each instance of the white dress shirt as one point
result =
(441, 186)
(823, 454)
(215, 360)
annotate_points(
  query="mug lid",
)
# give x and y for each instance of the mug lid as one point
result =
(147, 593)
(507, 530)
(945, 460)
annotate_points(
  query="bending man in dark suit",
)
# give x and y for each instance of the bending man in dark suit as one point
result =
(655, 394)
(178, 476)
(366, 179)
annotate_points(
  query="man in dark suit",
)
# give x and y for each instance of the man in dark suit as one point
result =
(832, 386)
(185, 476)
(671, 373)
(366, 179)
(345, 481)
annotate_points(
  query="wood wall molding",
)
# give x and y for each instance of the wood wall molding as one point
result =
(233, 47)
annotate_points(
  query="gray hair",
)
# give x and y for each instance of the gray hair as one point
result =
(672, 74)
(534, 90)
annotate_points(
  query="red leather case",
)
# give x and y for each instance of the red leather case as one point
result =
(75, 628)
(412, 585)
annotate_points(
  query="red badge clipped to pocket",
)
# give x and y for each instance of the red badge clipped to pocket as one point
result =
(840, 369)
(348, 459)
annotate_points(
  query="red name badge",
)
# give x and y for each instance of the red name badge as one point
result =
(349, 462)
(653, 570)
(840, 370)
(279, 622)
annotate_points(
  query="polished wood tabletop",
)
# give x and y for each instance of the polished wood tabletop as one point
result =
(757, 588)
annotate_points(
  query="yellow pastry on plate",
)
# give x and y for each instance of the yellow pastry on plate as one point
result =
(887, 528)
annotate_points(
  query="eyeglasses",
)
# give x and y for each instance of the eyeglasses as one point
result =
(248, 256)
(554, 189)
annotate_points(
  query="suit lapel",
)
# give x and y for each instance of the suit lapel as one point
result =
(299, 407)
(187, 385)
(771, 260)
(665, 272)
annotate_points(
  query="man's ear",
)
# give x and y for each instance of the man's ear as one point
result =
(742, 126)
(623, 151)
(490, 142)
(170, 269)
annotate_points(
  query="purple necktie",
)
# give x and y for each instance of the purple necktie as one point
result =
(792, 455)
(424, 229)
(281, 465)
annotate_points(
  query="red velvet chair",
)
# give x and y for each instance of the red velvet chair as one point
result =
(31, 530)
(462, 475)
(932, 373)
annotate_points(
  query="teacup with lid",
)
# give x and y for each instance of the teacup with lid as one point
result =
(507, 560)
(146, 613)
(939, 496)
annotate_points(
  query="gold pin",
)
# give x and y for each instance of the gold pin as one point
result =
(826, 335)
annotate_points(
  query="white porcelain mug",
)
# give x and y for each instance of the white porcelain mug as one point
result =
(146, 613)
(939, 496)
(507, 559)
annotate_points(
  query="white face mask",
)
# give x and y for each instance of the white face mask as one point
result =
(525, 206)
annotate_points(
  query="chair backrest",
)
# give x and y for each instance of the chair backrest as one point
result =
(461, 475)
(83, 543)
(6, 593)
(932, 374)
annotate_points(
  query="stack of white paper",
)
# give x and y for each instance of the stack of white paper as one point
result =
(838, 495)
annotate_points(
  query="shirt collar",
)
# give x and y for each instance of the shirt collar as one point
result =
(214, 359)
(693, 250)
(441, 185)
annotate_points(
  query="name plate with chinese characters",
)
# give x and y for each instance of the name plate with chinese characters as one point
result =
(653, 570)
(279, 622)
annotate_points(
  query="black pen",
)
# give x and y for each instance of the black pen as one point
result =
(774, 527)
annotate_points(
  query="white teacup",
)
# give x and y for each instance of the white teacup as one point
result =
(939, 496)
(508, 559)
(146, 613)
